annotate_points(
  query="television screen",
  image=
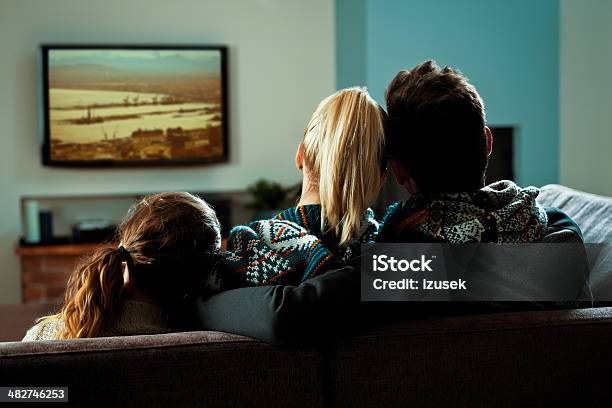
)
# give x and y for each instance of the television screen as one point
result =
(122, 106)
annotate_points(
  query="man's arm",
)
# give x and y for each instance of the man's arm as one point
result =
(561, 227)
(319, 308)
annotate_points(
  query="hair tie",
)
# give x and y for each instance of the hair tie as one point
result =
(124, 255)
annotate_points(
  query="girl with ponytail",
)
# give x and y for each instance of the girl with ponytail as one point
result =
(342, 164)
(167, 245)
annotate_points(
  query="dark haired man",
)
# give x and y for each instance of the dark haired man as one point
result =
(439, 146)
(437, 122)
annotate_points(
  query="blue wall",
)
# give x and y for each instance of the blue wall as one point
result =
(509, 50)
(351, 37)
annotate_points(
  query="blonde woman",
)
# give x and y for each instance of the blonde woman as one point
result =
(169, 243)
(342, 165)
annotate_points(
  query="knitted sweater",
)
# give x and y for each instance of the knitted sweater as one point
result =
(501, 212)
(287, 249)
(135, 318)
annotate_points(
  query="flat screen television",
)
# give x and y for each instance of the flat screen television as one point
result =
(134, 105)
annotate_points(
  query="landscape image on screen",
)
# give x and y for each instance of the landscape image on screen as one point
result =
(135, 105)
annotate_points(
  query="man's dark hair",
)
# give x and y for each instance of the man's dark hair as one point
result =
(436, 121)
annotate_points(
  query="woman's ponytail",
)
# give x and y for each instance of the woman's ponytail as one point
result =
(93, 294)
(343, 146)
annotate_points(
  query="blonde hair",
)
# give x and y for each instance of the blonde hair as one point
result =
(167, 241)
(343, 148)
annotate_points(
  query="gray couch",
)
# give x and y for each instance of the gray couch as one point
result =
(543, 358)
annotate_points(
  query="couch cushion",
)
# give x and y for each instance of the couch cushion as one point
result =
(177, 369)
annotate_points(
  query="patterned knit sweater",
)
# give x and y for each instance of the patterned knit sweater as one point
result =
(135, 318)
(501, 212)
(287, 249)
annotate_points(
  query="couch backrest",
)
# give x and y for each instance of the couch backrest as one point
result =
(548, 358)
(196, 369)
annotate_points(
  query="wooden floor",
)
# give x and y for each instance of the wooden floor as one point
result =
(16, 319)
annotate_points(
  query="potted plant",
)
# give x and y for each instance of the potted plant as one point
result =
(269, 198)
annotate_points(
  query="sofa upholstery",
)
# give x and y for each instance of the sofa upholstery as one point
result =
(178, 369)
(529, 358)
(546, 358)
(558, 358)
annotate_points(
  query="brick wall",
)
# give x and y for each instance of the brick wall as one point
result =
(45, 271)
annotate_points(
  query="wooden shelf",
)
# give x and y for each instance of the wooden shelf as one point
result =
(68, 249)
